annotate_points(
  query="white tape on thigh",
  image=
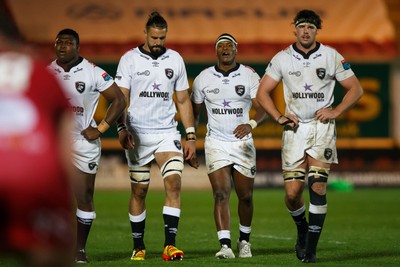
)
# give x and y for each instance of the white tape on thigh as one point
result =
(173, 166)
(139, 175)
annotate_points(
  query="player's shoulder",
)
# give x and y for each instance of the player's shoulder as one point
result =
(245, 67)
(171, 55)
(130, 53)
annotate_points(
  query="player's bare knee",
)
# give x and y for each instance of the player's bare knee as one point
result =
(172, 183)
(221, 196)
(139, 175)
(246, 198)
(139, 193)
(173, 166)
(293, 197)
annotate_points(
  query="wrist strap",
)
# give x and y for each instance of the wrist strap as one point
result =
(103, 126)
(190, 131)
(252, 123)
(121, 127)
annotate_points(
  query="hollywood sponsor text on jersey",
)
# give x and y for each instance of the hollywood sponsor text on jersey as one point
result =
(229, 111)
(319, 96)
(163, 95)
(309, 95)
(77, 110)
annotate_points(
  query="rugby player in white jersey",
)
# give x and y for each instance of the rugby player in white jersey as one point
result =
(309, 71)
(228, 91)
(149, 76)
(84, 82)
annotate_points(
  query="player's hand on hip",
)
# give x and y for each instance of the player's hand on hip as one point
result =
(91, 133)
(324, 115)
(242, 130)
(126, 139)
(288, 120)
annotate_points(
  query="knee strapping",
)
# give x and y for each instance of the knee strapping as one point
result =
(173, 166)
(294, 175)
(140, 175)
(317, 175)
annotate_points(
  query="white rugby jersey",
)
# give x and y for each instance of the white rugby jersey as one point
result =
(308, 80)
(227, 98)
(152, 83)
(82, 84)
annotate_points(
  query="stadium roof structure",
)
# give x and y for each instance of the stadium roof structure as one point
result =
(366, 30)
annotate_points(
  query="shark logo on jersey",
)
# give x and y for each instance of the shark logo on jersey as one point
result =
(178, 145)
(253, 170)
(80, 87)
(321, 73)
(169, 73)
(240, 89)
(328, 153)
(92, 165)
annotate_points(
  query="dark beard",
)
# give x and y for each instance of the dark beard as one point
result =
(157, 53)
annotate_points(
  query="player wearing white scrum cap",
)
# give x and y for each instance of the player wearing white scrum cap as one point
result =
(228, 91)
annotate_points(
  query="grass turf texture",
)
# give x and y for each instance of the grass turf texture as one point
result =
(361, 229)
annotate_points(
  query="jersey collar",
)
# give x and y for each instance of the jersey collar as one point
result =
(226, 73)
(306, 55)
(150, 54)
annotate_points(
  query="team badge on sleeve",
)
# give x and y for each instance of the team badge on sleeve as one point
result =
(80, 87)
(169, 73)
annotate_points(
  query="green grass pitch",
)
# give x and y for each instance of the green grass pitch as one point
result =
(362, 228)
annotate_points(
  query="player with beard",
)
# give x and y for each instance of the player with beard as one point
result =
(149, 76)
(309, 71)
(228, 90)
(84, 82)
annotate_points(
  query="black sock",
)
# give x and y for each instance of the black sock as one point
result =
(225, 241)
(138, 234)
(170, 228)
(83, 229)
(314, 232)
(301, 222)
(244, 236)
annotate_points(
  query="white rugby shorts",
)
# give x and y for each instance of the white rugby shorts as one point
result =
(242, 154)
(314, 138)
(148, 144)
(86, 155)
